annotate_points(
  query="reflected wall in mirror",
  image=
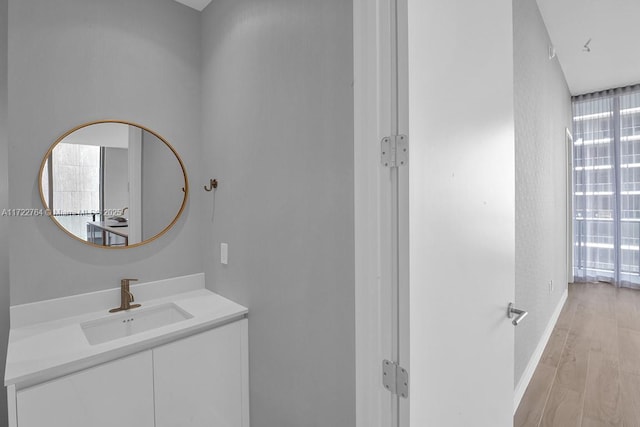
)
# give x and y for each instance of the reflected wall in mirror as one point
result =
(113, 184)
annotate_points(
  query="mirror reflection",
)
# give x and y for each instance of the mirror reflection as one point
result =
(113, 184)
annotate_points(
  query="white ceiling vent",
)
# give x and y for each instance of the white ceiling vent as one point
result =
(196, 4)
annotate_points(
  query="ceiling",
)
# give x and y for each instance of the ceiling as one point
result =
(614, 29)
(611, 25)
(196, 4)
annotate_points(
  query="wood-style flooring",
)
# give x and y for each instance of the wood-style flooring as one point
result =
(589, 374)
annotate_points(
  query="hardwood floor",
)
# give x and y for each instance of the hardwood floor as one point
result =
(589, 373)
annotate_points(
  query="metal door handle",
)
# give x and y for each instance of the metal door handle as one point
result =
(511, 310)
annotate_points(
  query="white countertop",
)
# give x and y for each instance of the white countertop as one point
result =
(42, 351)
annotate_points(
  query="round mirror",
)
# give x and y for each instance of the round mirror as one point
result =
(113, 184)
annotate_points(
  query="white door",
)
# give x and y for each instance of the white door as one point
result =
(435, 240)
(461, 212)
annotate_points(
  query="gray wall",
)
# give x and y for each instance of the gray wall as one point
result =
(278, 135)
(73, 61)
(4, 229)
(542, 112)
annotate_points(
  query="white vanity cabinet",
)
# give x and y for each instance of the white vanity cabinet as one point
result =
(114, 393)
(201, 381)
(71, 363)
(197, 381)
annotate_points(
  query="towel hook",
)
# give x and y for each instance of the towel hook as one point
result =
(213, 183)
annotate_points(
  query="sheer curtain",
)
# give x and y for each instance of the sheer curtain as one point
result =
(607, 187)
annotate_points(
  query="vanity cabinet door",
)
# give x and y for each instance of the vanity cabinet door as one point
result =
(118, 393)
(201, 381)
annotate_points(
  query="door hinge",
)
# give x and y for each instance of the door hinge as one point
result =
(394, 151)
(395, 378)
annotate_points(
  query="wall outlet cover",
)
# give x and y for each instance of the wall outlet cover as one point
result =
(224, 253)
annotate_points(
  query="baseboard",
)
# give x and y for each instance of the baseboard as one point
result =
(537, 354)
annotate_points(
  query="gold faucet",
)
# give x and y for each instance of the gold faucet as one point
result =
(126, 297)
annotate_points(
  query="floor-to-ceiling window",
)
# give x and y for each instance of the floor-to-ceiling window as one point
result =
(72, 185)
(607, 187)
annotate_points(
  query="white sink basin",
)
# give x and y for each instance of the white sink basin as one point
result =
(131, 322)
